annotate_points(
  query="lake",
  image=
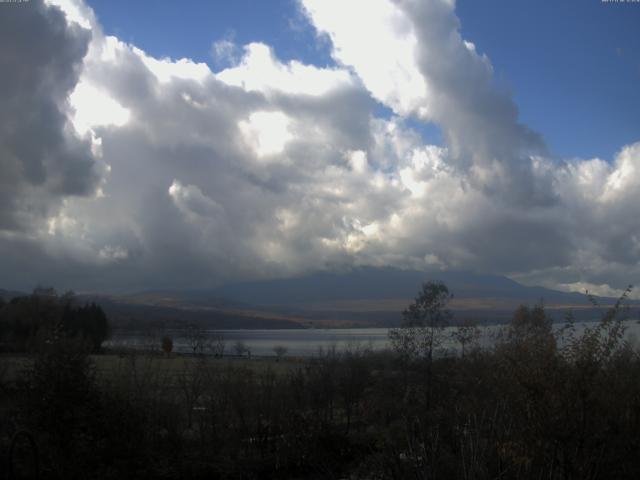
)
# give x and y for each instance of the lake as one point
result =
(307, 342)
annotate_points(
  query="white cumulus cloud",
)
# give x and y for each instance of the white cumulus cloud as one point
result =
(129, 171)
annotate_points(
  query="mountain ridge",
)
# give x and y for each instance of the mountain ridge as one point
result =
(387, 283)
(365, 296)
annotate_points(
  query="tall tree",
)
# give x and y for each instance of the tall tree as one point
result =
(421, 331)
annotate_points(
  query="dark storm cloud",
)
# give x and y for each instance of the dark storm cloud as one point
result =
(40, 159)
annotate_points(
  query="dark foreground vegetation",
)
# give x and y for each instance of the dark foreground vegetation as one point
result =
(537, 404)
(28, 322)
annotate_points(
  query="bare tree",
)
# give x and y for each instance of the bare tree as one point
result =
(216, 345)
(151, 341)
(192, 384)
(280, 351)
(196, 338)
(241, 348)
(466, 334)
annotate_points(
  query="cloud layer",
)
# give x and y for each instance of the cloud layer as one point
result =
(41, 161)
(121, 171)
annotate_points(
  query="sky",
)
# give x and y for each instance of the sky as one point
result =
(188, 144)
(578, 59)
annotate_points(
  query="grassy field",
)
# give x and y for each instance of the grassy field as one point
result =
(177, 363)
(14, 366)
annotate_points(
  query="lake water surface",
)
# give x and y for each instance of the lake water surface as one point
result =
(308, 342)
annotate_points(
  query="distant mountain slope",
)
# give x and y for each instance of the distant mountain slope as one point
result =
(153, 310)
(377, 296)
(360, 297)
(160, 310)
(385, 283)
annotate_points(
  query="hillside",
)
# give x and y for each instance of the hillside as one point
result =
(362, 297)
(372, 297)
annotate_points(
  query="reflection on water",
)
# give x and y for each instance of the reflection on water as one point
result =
(307, 342)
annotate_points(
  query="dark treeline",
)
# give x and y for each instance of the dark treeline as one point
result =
(28, 321)
(537, 404)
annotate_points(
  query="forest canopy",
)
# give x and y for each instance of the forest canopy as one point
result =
(28, 322)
